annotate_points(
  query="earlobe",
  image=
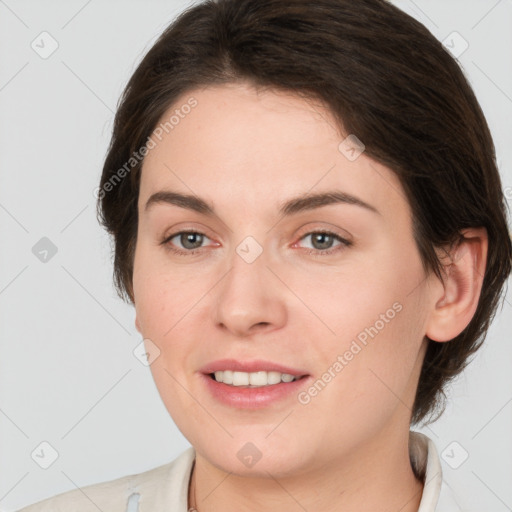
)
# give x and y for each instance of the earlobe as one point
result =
(463, 277)
(137, 324)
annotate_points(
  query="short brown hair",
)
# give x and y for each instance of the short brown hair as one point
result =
(385, 78)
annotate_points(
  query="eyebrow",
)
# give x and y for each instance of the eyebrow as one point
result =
(290, 207)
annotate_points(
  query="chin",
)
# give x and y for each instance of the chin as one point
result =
(257, 458)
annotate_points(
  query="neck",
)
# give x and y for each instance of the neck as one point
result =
(378, 476)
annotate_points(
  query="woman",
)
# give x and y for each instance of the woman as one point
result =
(309, 221)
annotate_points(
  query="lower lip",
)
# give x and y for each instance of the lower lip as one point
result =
(253, 398)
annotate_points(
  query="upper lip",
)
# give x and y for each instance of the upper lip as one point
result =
(250, 367)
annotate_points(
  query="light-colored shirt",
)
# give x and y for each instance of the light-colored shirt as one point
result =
(165, 488)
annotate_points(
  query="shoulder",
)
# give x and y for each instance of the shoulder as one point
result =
(164, 484)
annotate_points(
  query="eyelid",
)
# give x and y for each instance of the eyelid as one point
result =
(186, 228)
(335, 231)
(168, 237)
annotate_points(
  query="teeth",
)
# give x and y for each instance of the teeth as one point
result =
(254, 379)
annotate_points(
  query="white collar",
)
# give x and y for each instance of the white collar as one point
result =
(437, 495)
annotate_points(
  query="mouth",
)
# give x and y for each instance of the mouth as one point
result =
(257, 379)
(243, 392)
(252, 384)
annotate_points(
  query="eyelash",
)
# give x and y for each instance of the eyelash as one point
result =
(310, 252)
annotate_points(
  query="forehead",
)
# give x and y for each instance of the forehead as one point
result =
(237, 123)
(251, 147)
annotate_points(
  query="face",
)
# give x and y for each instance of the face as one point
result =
(332, 291)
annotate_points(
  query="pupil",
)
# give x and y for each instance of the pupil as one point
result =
(323, 236)
(189, 237)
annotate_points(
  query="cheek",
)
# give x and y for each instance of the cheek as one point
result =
(365, 378)
(375, 313)
(163, 293)
(170, 306)
(166, 303)
(350, 297)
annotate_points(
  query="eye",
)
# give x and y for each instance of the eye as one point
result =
(190, 241)
(322, 242)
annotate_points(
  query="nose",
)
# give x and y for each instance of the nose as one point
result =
(250, 298)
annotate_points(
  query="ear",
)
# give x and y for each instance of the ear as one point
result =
(464, 270)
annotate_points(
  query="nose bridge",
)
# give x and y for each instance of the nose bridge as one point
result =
(250, 294)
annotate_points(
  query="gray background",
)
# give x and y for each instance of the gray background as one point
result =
(67, 372)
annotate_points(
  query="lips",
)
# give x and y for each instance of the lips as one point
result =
(250, 367)
(254, 398)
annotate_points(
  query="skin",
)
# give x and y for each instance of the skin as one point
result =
(246, 152)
